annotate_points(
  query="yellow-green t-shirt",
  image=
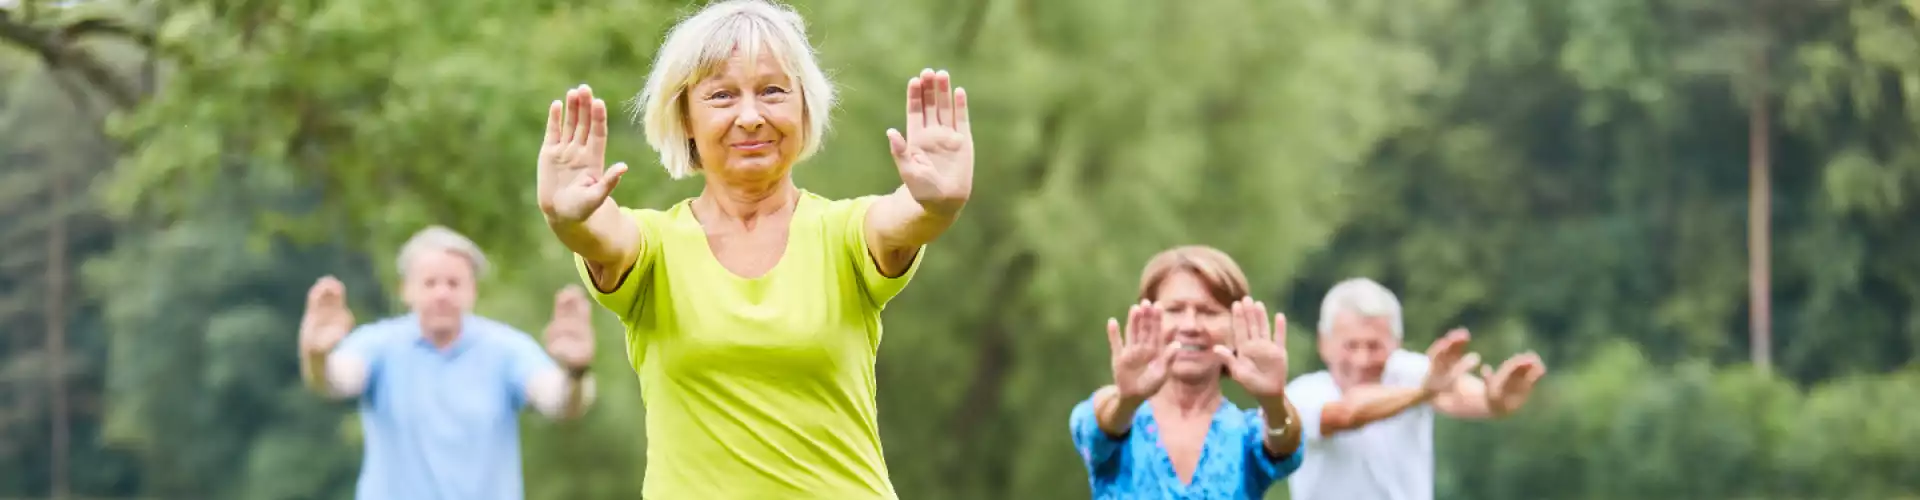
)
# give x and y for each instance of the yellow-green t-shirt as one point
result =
(758, 388)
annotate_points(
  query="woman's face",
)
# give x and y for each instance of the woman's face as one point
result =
(1194, 319)
(746, 119)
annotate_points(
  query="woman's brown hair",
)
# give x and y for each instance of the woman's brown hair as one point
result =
(1216, 270)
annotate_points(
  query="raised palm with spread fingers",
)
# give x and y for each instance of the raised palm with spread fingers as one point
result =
(570, 334)
(1258, 359)
(327, 320)
(935, 157)
(1142, 356)
(573, 177)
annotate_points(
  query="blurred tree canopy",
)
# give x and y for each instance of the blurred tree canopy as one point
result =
(1564, 177)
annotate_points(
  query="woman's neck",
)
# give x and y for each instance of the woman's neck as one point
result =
(1188, 399)
(746, 203)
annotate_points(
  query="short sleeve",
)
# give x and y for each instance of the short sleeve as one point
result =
(1405, 369)
(1100, 452)
(525, 359)
(879, 288)
(624, 299)
(1310, 395)
(1263, 469)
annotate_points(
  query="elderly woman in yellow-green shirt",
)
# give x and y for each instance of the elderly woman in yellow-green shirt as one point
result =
(753, 310)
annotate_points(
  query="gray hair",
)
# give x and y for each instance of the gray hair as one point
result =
(698, 47)
(1363, 297)
(440, 238)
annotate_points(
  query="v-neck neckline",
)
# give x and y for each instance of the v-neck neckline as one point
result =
(1166, 458)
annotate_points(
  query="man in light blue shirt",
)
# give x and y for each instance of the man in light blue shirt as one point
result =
(441, 389)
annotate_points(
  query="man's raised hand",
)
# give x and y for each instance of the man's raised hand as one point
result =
(570, 335)
(1448, 360)
(327, 319)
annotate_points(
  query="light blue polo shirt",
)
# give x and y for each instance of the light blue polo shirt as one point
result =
(443, 424)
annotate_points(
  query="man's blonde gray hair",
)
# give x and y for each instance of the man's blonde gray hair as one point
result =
(698, 46)
(441, 239)
(1362, 297)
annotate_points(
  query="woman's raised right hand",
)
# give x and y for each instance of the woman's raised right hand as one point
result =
(574, 180)
(1141, 357)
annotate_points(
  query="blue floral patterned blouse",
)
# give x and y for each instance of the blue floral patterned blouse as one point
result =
(1234, 463)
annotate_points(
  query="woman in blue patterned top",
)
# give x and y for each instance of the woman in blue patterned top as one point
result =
(1163, 430)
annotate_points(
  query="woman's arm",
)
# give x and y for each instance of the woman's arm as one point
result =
(608, 240)
(897, 227)
(1280, 415)
(935, 159)
(575, 188)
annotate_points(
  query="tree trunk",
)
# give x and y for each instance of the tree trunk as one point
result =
(56, 328)
(1759, 217)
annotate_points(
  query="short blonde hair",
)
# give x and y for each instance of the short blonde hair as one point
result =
(441, 239)
(1221, 275)
(697, 47)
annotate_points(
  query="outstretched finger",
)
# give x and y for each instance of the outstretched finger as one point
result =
(943, 98)
(1113, 335)
(1250, 318)
(1237, 323)
(960, 120)
(1264, 330)
(916, 104)
(929, 97)
(553, 124)
(1133, 326)
(582, 109)
(1280, 329)
(1150, 321)
(597, 128)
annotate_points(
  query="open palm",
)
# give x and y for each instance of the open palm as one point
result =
(1141, 358)
(327, 319)
(1258, 360)
(1509, 387)
(570, 334)
(935, 157)
(573, 178)
(1448, 361)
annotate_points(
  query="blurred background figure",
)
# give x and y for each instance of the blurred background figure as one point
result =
(752, 310)
(440, 389)
(1369, 415)
(1706, 213)
(1194, 324)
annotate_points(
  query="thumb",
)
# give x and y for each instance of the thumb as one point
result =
(604, 187)
(1166, 353)
(1225, 354)
(897, 145)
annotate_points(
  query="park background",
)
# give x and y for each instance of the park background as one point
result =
(1581, 178)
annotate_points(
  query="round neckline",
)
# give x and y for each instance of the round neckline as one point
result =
(800, 207)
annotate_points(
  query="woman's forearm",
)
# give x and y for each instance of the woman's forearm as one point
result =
(1280, 414)
(1115, 412)
(608, 240)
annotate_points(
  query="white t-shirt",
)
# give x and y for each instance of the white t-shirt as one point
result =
(1391, 459)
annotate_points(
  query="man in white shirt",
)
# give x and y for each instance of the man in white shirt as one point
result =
(1368, 418)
